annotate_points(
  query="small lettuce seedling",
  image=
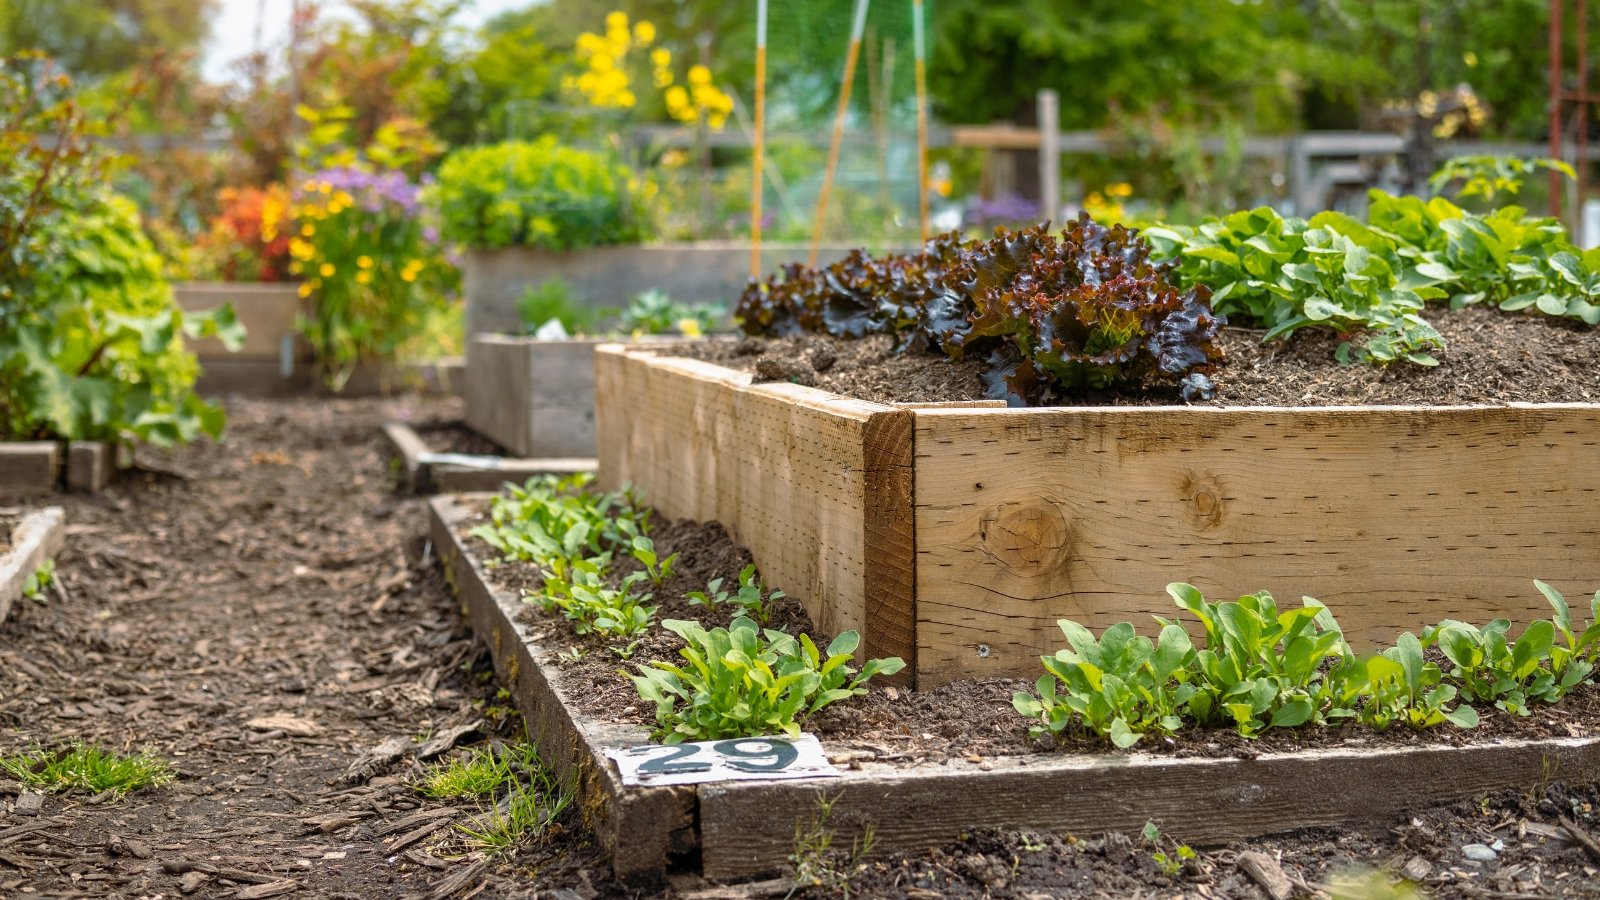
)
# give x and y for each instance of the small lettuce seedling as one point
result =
(741, 682)
(656, 568)
(579, 593)
(749, 599)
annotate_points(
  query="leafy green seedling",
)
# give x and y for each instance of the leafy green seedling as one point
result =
(741, 682)
(34, 586)
(658, 569)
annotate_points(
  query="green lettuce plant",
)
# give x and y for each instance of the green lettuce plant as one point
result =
(740, 681)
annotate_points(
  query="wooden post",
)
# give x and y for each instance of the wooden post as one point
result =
(1556, 92)
(921, 53)
(857, 27)
(1049, 154)
(759, 142)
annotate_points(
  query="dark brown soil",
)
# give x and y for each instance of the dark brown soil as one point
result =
(453, 436)
(971, 719)
(8, 521)
(1493, 357)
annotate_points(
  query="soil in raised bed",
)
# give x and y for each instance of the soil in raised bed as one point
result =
(453, 436)
(971, 719)
(1493, 357)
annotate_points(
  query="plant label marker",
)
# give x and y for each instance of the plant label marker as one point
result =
(736, 759)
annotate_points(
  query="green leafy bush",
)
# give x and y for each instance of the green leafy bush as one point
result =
(91, 342)
(742, 682)
(537, 194)
(1258, 668)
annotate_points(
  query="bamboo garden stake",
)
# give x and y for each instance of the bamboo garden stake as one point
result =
(919, 41)
(758, 144)
(857, 27)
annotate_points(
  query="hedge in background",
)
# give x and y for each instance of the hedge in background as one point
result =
(537, 194)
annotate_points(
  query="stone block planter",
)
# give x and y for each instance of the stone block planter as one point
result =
(493, 280)
(956, 537)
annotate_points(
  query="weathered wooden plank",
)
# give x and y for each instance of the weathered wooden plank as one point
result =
(1396, 517)
(784, 468)
(29, 467)
(644, 830)
(458, 478)
(34, 539)
(89, 465)
(409, 448)
(535, 398)
(747, 828)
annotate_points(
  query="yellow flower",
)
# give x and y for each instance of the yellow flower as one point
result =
(602, 62)
(363, 277)
(327, 270)
(690, 328)
(364, 261)
(408, 276)
(661, 57)
(307, 230)
(305, 289)
(269, 233)
(335, 207)
(343, 198)
(663, 78)
(625, 99)
(644, 33)
(616, 20)
(309, 186)
(300, 249)
(677, 98)
(699, 74)
(324, 188)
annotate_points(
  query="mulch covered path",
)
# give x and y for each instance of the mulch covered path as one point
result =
(258, 612)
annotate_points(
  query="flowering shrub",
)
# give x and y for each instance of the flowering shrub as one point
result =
(372, 264)
(605, 81)
(249, 238)
(538, 194)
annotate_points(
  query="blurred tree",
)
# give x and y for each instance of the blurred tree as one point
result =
(97, 38)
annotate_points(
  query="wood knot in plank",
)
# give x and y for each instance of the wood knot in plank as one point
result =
(1203, 495)
(1028, 538)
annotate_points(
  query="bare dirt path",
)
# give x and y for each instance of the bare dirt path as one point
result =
(258, 613)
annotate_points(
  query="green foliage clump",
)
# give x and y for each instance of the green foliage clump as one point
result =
(1375, 277)
(655, 312)
(741, 681)
(91, 341)
(572, 535)
(537, 193)
(1259, 667)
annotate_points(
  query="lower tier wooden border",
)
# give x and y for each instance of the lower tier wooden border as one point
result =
(40, 467)
(420, 473)
(35, 539)
(747, 829)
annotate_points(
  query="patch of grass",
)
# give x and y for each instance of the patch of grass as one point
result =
(482, 773)
(86, 766)
(817, 862)
(530, 797)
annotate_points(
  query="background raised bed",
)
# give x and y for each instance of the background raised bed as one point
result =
(493, 280)
(275, 359)
(966, 533)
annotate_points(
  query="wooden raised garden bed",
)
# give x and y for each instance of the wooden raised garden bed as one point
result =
(955, 537)
(493, 280)
(39, 467)
(533, 397)
(423, 469)
(747, 828)
(34, 538)
(275, 359)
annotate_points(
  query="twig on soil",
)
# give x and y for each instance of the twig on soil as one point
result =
(1584, 838)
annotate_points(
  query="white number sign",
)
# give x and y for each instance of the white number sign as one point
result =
(730, 760)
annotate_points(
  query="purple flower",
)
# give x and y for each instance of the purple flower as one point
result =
(1002, 210)
(373, 191)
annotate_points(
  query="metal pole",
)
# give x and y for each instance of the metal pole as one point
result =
(759, 141)
(921, 53)
(1582, 123)
(1555, 104)
(857, 27)
(1049, 154)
